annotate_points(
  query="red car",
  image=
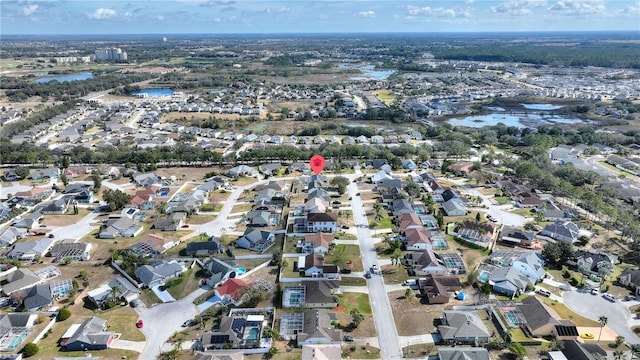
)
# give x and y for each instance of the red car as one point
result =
(139, 324)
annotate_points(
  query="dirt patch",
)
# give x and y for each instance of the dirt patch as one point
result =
(412, 317)
(64, 220)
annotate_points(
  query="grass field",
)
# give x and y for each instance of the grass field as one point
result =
(566, 313)
(384, 223)
(386, 96)
(356, 301)
(188, 284)
(342, 254)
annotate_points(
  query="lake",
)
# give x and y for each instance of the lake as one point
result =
(541, 106)
(368, 70)
(65, 78)
(520, 120)
(153, 92)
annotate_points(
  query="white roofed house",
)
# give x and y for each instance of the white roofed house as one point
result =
(120, 227)
(10, 235)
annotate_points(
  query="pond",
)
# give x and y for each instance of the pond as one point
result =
(368, 70)
(541, 106)
(520, 120)
(153, 92)
(65, 78)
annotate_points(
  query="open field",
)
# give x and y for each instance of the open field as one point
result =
(342, 255)
(190, 173)
(350, 301)
(386, 96)
(412, 317)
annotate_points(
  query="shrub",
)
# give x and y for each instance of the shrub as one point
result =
(30, 349)
(64, 314)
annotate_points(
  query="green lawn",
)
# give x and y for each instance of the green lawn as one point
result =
(352, 281)
(566, 313)
(342, 254)
(357, 301)
(183, 287)
(384, 223)
(501, 200)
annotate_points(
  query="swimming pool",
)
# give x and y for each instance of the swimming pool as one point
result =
(253, 334)
(241, 270)
(484, 276)
(16, 341)
(513, 318)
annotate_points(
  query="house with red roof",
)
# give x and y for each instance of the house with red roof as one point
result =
(230, 291)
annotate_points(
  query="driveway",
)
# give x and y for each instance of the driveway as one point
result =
(380, 306)
(594, 306)
(164, 296)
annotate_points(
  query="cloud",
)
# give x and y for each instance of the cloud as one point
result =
(29, 10)
(160, 17)
(631, 9)
(216, 3)
(279, 10)
(366, 14)
(517, 8)
(578, 7)
(102, 14)
(428, 11)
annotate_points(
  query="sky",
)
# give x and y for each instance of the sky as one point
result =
(313, 16)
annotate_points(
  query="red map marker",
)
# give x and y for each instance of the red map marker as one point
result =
(317, 164)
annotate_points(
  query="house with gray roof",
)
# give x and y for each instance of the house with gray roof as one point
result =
(311, 294)
(562, 231)
(402, 206)
(425, 262)
(172, 222)
(596, 263)
(220, 271)
(631, 278)
(20, 279)
(146, 179)
(463, 327)
(474, 353)
(204, 248)
(29, 250)
(242, 170)
(552, 212)
(317, 328)
(47, 173)
(91, 334)
(157, 274)
(454, 207)
(509, 281)
(13, 323)
(10, 235)
(38, 297)
(120, 227)
(29, 222)
(256, 240)
(56, 207)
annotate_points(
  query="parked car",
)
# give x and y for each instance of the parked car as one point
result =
(43, 225)
(139, 324)
(609, 297)
(595, 291)
(347, 338)
(345, 271)
(543, 292)
(345, 227)
(189, 322)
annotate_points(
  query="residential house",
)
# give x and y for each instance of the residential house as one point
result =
(425, 263)
(322, 222)
(461, 169)
(220, 271)
(146, 179)
(473, 353)
(270, 169)
(30, 250)
(596, 263)
(631, 279)
(380, 176)
(56, 207)
(552, 212)
(230, 291)
(47, 173)
(312, 265)
(316, 205)
(277, 185)
(541, 320)
(233, 332)
(242, 170)
(10, 235)
(69, 250)
(417, 239)
(528, 199)
(463, 327)
(562, 231)
(514, 236)
(29, 222)
(450, 194)
(408, 164)
(154, 244)
(509, 281)
(37, 298)
(321, 351)
(155, 275)
(12, 324)
(220, 355)
(409, 221)
(438, 289)
(11, 175)
(172, 222)
(256, 240)
(20, 279)
(454, 207)
(119, 226)
(577, 350)
(119, 287)
(259, 218)
(91, 334)
(204, 248)
(402, 206)
(317, 328)
(317, 243)
(311, 294)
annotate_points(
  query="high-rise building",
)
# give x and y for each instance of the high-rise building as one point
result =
(114, 54)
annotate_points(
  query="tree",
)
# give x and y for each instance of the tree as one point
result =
(65, 162)
(619, 355)
(97, 182)
(518, 350)
(478, 217)
(116, 199)
(603, 320)
(558, 252)
(64, 314)
(408, 293)
(30, 349)
(619, 340)
(64, 179)
(22, 172)
(340, 184)
(356, 317)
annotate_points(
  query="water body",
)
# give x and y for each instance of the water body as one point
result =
(369, 71)
(153, 92)
(541, 106)
(520, 120)
(65, 78)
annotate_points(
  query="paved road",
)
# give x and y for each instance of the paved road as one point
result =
(499, 212)
(594, 306)
(161, 321)
(381, 308)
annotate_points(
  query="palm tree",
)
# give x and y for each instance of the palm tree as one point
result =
(603, 320)
(115, 290)
(619, 355)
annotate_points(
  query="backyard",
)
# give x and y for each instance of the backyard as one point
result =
(343, 255)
